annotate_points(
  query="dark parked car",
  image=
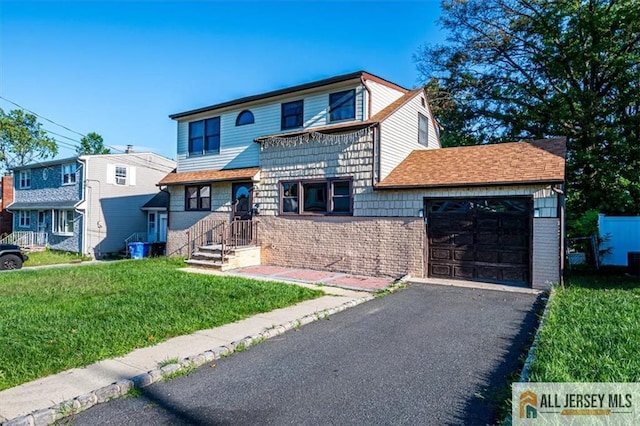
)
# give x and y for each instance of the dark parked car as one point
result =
(11, 257)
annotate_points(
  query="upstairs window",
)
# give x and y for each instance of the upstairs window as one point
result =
(292, 115)
(204, 136)
(24, 179)
(325, 197)
(245, 117)
(342, 105)
(121, 175)
(68, 174)
(198, 197)
(423, 130)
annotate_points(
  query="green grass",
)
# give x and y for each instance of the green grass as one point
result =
(55, 319)
(52, 257)
(592, 332)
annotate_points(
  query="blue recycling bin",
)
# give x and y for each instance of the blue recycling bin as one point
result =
(139, 250)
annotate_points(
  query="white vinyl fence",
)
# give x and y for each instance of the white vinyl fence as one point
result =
(621, 234)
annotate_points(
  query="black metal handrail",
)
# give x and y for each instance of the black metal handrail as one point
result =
(228, 235)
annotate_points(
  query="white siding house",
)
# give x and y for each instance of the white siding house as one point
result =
(339, 174)
(115, 189)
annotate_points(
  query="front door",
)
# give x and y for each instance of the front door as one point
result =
(152, 230)
(42, 221)
(162, 227)
(242, 200)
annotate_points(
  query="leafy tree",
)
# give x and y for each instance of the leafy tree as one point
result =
(523, 69)
(22, 139)
(92, 144)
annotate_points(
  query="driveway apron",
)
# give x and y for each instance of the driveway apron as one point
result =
(424, 355)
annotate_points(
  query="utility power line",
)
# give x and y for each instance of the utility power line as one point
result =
(134, 160)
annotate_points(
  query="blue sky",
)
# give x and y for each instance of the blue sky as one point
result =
(120, 68)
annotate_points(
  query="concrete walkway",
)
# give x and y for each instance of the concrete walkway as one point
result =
(51, 398)
(336, 279)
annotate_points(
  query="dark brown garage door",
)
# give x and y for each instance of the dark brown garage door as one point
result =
(485, 239)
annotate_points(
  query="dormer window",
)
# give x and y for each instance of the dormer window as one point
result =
(245, 117)
(204, 137)
(342, 105)
(292, 115)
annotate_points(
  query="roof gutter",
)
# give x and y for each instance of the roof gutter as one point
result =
(463, 184)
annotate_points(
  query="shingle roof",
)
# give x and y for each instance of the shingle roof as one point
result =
(181, 178)
(43, 205)
(481, 165)
(287, 90)
(158, 201)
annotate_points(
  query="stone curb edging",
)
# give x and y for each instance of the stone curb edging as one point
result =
(120, 388)
(526, 368)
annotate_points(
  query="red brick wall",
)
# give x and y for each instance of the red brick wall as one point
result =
(6, 218)
(361, 245)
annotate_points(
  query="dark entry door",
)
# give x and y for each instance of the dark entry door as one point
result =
(242, 200)
(485, 239)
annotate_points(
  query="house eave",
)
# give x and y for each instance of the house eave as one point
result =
(470, 184)
(356, 76)
(344, 127)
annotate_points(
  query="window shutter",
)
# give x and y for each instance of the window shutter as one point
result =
(132, 176)
(111, 173)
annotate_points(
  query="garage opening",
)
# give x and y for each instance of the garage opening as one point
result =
(483, 239)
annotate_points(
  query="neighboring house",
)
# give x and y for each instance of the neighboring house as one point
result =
(88, 204)
(347, 174)
(6, 198)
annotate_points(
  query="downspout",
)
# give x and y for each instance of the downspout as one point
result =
(561, 215)
(375, 175)
(364, 83)
(375, 129)
(83, 200)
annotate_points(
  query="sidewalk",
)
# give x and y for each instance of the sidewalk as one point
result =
(51, 398)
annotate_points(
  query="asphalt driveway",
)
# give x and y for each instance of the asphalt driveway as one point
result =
(424, 355)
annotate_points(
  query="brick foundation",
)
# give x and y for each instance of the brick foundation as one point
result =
(390, 247)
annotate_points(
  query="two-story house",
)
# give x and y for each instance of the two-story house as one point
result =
(88, 204)
(347, 174)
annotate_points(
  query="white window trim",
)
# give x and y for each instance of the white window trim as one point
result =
(72, 176)
(26, 214)
(20, 179)
(118, 179)
(56, 224)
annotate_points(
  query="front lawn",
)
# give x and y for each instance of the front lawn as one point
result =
(55, 319)
(592, 332)
(52, 257)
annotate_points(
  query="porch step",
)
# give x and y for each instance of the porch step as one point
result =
(211, 257)
(208, 264)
